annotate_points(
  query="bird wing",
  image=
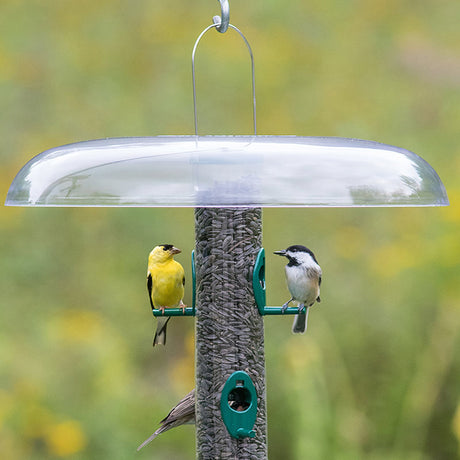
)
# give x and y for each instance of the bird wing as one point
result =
(185, 408)
(180, 272)
(181, 414)
(149, 288)
(165, 283)
(318, 299)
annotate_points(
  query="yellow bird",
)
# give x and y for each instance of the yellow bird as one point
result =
(165, 284)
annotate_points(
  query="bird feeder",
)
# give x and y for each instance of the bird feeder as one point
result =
(228, 180)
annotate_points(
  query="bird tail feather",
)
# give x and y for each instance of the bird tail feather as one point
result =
(151, 438)
(160, 333)
(300, 322)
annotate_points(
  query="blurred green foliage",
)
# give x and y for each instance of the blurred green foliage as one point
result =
(378, 374)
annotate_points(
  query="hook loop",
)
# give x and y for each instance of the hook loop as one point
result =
(248, 46)
(223, 20)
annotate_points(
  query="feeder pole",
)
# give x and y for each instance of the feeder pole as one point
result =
(229, 328)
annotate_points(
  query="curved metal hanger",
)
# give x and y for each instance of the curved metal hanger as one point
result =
(221, 24)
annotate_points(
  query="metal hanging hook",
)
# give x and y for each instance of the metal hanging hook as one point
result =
(252, 71)
(223, 20)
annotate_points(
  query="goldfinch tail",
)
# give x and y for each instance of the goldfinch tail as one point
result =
(160, 334)
(300, 322)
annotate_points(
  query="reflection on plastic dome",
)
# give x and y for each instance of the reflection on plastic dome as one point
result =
(227, 171)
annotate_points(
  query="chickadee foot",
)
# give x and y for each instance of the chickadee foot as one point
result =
(285, 306)
(301, 307)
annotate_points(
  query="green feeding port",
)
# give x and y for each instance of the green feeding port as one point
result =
(258, 281)
(258, 285)
(238, 405)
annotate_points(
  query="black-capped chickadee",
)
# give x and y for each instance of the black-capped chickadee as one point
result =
(303, 276)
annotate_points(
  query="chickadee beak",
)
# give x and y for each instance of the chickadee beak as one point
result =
(175, 250)
(280, 253)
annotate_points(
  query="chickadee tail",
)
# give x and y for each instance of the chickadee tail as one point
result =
(160, 333)
(300, 322)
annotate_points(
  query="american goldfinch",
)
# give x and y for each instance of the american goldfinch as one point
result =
(303, 276)
(165, 284)
(183, 413)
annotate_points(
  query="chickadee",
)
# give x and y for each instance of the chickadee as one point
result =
(181, 414)
(303, 276)
(165, 284)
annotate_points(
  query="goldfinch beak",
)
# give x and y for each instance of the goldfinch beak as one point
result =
(175, 250)
(280, 253)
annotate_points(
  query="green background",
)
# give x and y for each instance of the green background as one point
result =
(377, 376)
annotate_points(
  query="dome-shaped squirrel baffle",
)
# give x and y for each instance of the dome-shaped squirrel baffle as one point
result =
(249, 171)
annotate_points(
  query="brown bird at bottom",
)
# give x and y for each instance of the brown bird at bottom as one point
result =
(181, 414)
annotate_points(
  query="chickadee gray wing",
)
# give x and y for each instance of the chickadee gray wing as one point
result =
(318, 299)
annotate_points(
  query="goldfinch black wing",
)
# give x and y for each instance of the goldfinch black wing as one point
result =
(149, 288)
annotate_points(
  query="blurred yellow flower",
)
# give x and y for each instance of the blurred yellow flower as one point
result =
(389, 260)
(75, 325)
(65, 438)
(452, 213)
